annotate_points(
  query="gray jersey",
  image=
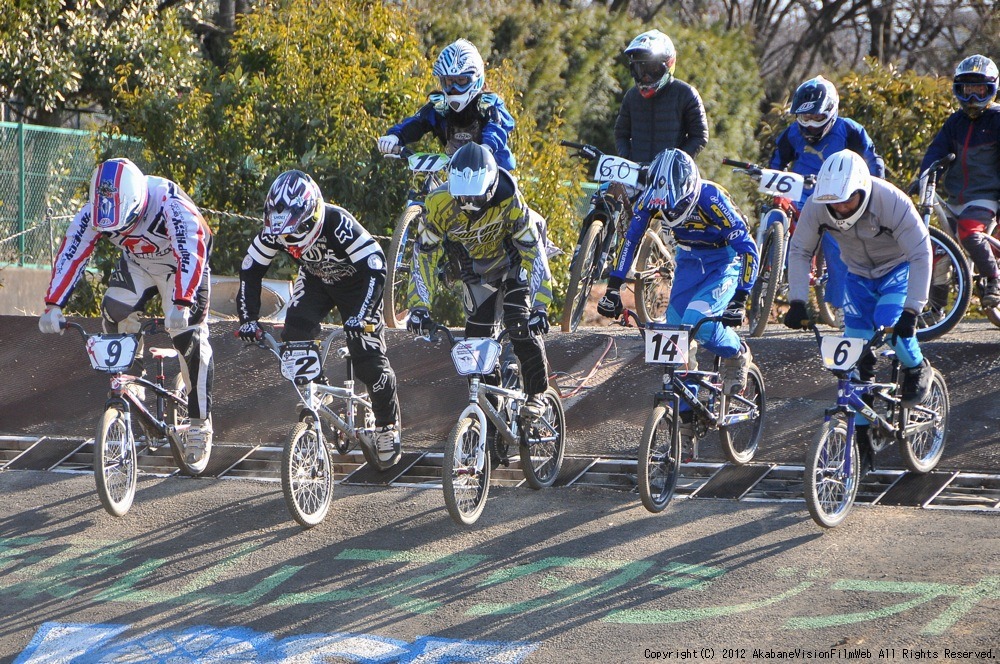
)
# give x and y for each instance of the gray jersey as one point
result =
(888, 233)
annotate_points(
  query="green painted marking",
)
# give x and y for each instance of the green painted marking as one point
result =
(652, 617)
(678, 575)
(925, 592)
(967, 598)
(13, 550)
(75, 562)
(564, 593)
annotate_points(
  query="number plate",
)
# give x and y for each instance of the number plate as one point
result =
(841, 353)
(781, 183)
(616, 169)
(112, 352)
(300, 362)
(667, 346)
(427, 162)
(475, 356)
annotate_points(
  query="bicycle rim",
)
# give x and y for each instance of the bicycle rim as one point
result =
(659, 460)
(465, 472)
(766, 287)
(830, 489)
(922, 450)
(582, 277)
(741, 439)
(655, 278)
(306, 475)
(399, 260)
(950, 290)
(542, 451)
(115, 464)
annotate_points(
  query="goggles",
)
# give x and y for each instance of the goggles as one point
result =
(472, 203)
(455, 84)
(975, 92)
(647, 73)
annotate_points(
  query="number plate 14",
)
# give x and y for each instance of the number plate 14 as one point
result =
(667, 346)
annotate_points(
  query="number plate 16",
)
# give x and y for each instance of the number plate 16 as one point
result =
(841, 353)
(781, 183)
(667, 346)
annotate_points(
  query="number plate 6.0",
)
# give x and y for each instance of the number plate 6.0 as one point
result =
(111, 352)
(781, 183)
(667, 346)
(300, 361)
(841, 353)
(616, 169)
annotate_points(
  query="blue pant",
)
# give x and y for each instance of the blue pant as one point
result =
(836, 271)
(704, 282)
(871, 303)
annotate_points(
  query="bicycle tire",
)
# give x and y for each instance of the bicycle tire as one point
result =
(829, 493)
(306, 475)
(177, 415)
(921, 452)
(768, 277)
(942, 314)
(993, 313)
(466, 486)
(654, 280)
(659, 460)
(541, 460)
(583, 274)
(399, 258)
(116, 471)
(824, 310)
(740, 441)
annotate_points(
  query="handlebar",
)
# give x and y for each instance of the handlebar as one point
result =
(583, 149)
(744, 165)
(939, 165)
(149, 327)
(693, 330)
(431, 334)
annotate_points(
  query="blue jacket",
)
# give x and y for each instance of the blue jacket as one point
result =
(975, 173)
(485, 121)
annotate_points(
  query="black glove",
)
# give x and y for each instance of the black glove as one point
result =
(914, 188)
(610, 305)
(905, 327)
(419, 322)
(736, 310)
(249, 331)
(798, 317)
(354, 327)
(538, 323)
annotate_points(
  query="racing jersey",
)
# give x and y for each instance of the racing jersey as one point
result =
(502, 236)
(714, 224)
(485, 120)
(170, 237)
(343, 253)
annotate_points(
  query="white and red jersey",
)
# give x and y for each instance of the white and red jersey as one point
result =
(171, 237)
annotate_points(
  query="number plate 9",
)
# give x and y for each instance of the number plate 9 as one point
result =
(667, 346)
(300, 362)
(112, 352)
(841, 353)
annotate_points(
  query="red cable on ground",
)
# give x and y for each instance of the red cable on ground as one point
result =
(583, 382)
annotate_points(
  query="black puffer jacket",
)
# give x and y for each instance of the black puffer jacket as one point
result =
(674, 118)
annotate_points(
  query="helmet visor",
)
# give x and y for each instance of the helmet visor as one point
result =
(455, 84)
(647, 73)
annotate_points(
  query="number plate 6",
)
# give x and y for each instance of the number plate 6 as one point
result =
(667, 346)
(841, 353)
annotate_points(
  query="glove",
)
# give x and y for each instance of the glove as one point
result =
(905, 327)
(249, 331)
(610, 305)
(175, 318)
(387, 144)
(52, 320)
(735, 310)
(914, 188)
(419, 322)
(354, 327)
(798, 317)
(538, 323)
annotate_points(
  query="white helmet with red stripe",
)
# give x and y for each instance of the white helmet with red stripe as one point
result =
(118, 195)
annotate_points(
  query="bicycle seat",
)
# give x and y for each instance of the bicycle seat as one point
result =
(161, 353)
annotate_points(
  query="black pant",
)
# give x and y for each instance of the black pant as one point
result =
(312, 300)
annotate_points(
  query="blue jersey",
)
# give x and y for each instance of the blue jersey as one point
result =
(806, 158)
(714, 224)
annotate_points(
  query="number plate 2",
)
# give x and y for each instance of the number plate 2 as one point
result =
(667, 346)
(781, 183)
(841, 353)
(300, 361)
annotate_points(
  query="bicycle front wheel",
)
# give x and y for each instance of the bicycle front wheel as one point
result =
(654, 278)
(465, 472)
(831, 474)
(922, 450)
(741, 439)
(116, 469)
(306, 475)
(659, 460)
(542, 450)
(582, 275)
(772, 257)
(399, 261)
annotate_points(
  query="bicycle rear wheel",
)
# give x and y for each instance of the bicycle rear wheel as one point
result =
(465, 472)
(399, 260)
(831, 473)
(950, 291)
(653, 280)
(541, 451)
(922, 450)
(177, 415)
(772, 256)
(659, 460)
(582, 275)
(306, 475)
(741, 439)
(115, 466)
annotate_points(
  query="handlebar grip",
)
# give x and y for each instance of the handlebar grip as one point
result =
(726, 161)
(571, 144)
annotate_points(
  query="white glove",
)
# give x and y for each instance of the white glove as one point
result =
(387, 144)
(52, 320)
(175, 318)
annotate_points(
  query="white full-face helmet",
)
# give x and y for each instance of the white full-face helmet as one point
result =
(673, 187)
(473, 177)
(842, 175)
(975, 84)
(118, 195)
(461, 72)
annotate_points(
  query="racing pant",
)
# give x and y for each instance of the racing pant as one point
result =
(836, 272)
(132, 286)
(704, 282)
(312, 300)
(970, 227)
